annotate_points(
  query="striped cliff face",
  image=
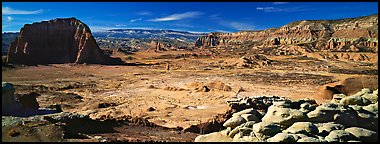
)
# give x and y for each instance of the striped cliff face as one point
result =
(331, 35)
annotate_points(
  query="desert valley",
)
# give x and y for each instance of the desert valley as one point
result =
(308, 80)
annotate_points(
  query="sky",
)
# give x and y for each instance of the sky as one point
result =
(183, 16)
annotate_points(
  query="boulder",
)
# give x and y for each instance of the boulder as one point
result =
(371, 97)
(251, 117)
(234, 121)
(303, 128)
(337, 97)
(62, 40)
(362, 92)
(339, 136)
(283, 116)
(325, 128)
(374, 108)
(247, 139)
(28, 101)
(242, 126)
(244, 131)
(249, 111)
(375, 92)
(307, 107)
(363, 134)
(283, 137)
(310, 139)
(355, 100)
(213, 137)
(325, 112)
(346, 119)
(283, 104)
(266, 128)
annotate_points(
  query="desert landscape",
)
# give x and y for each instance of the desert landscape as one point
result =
(309, 80)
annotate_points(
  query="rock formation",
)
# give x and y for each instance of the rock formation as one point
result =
(355, 34)
(8, 101)
(278, 119)
(158, 46)
(57, 41)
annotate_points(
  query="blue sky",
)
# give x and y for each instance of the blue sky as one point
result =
(186, 16)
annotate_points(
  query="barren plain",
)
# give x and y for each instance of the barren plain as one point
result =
(174, 90)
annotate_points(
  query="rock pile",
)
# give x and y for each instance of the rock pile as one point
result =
(277, 119)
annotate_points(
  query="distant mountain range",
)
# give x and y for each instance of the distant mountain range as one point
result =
(114, 37)
(6, 39)
(149, 34)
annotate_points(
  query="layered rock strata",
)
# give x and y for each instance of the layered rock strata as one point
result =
(353, 35)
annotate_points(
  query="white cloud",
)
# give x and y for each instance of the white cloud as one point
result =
(265, 8)
(273, 9)
(10, 11)
(179, 16)
(183, 25)
(120, 25)
(241, 26)
(139, 19)
(9, 18)
(279, 3)
(144, 13)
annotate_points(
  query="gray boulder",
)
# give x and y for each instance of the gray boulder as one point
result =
(213, 137)
(326, 112)
(237, 129)
(303, 128)
(339, 136)
(375, 92)
(246, 139)
(363, 134)
(310, 139)
(234, 121)
(374, 108)
(355, 100)
(283, 137)
(326, 128)
(251, 117)
(307, 107)
(337, 97)
(266, 128)
(371, 97)
(247, 111)
(362, 92)
(283, 116)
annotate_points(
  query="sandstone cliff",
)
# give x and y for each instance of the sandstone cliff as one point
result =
(354, 35)
(57, 41)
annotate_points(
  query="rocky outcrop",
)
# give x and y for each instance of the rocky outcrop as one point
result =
(8, 101)
(57, 41)
(283, 120)
(22, 104)
(353, 35)
(158, 46)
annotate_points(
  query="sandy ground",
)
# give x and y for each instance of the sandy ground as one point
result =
(145, 88)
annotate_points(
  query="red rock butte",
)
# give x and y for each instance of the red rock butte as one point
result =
(62, 40)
